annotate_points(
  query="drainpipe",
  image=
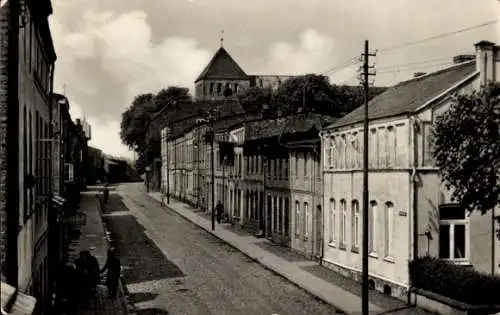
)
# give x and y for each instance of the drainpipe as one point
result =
(413, 143)
(322, 196)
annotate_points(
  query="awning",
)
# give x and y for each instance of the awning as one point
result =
(22, 304)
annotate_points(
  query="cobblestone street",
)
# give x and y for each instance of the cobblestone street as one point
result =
(173, 267)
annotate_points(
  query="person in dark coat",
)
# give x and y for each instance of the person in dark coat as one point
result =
(113, 267)
(93, 271)
(219, 208)
(81, 274)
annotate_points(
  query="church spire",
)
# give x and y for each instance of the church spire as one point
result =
(222, 38)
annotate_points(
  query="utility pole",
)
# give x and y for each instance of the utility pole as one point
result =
(12, 10)
(366, 74)
(168, 166)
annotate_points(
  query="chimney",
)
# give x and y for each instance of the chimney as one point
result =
(486, 53)
(463, 58)
(419, 74)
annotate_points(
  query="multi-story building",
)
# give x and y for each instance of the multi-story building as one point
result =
(35, 76)
(410, 211)
(301, 137)
(223, 77)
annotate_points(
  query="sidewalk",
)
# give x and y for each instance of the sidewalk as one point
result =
(93, 238)
(308, 275)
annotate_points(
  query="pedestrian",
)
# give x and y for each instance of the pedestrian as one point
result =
(81, 274)
(92, 271)
(113, 275)
(219, 210)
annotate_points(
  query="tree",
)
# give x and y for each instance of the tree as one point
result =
(466, 142)
(135, 126)
(252, 99)
(135, 120)
(312, 91)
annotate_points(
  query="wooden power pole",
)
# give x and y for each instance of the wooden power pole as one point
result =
(366, 74)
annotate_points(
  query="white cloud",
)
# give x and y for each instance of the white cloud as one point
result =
(108, 59)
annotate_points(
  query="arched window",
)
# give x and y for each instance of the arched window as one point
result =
(355, 224)
(391, 147)
(372, 236)
(332, 222)
(343, 222)
(388, 228)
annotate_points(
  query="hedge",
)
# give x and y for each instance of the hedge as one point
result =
(457, 282)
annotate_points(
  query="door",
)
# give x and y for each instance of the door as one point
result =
(318, 242)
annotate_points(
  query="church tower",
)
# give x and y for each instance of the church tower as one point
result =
(222, 77)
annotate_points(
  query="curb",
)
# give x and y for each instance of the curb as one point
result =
(339, 310)
(122, 287)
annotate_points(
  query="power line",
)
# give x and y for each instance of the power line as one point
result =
(415, 63)
(415, 68)
(437, 36)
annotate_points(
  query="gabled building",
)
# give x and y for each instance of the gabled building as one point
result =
(223, 77)
(411, 213)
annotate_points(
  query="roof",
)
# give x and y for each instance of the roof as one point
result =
(304, 123)
(408, 96)
(222, 66)
(267, 128)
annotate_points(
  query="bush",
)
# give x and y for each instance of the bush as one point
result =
(454, 281)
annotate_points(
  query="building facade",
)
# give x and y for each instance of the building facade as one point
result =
(35, 76)
(408, 205)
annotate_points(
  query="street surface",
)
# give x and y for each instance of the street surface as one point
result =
(173, 267)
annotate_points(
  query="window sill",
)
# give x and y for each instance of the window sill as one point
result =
(342, 247)
(355, 250)
(389, 259)
(373, 255)
(331, 244)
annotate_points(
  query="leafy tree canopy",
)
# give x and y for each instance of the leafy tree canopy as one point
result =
(136, 120)
(466, 142)
(252, 99)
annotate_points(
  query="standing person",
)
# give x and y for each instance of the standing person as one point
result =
(219, 208)
(92, 271)
(113, 275)
(81, 274)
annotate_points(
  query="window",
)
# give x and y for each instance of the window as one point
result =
(236, 88)
(355, 224)
(354, 150)
(68, 172)
(285, 168)
(329, 148)
(332, 221)
(391, 146)
(372, 218)
(373, 147)
(219, 89)
(280, 215)
(343, 222)
(287, 219)
(305, 170)
(211, 88)
(297, 219)
(388, 228)
(427, 143)
(306, 219)
(453, 233)
(296, 159)
(275, 215)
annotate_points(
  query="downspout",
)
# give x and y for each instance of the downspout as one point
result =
(414, 125)
(322, 255)
(51, 215)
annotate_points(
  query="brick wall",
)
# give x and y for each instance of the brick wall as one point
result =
(3, 135)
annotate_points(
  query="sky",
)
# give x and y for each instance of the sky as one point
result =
(112, 50)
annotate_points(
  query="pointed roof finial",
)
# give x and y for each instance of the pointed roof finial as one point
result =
(222, 38)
